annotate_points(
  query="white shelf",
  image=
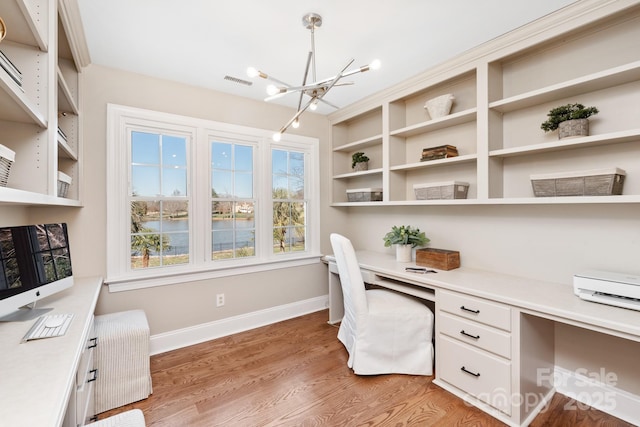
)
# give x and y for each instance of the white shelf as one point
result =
(436, 124)
(467, 158)
(363, 143)
(66, 100)
(26, 26)
(360, 173)
(64, 150)
(570, 143)
(16, 106)
(13, 196)
(590, 83)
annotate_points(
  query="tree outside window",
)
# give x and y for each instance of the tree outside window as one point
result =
(159, 204)
(289, 203)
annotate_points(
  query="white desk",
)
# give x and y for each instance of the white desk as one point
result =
(517, 324)
(37, 377)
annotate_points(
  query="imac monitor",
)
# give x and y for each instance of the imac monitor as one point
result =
(35, 262)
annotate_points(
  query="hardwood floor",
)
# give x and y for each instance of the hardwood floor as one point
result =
(294, 373)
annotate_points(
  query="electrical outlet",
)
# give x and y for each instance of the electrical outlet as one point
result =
(219, 300)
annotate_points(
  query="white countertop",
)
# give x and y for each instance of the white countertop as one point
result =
(555, 301)
(36, 377)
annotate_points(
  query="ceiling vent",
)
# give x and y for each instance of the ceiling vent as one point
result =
(237, 80)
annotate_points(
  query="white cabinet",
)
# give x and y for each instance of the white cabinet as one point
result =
(80, 410)
(39, 111)
(585, 53)
(478, 333)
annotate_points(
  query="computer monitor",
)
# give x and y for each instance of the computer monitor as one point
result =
(35, 262)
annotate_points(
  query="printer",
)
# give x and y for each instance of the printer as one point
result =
(618, 289)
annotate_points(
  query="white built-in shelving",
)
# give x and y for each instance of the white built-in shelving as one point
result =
(40, 119)
(585, 53)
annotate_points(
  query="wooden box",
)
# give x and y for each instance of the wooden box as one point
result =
(442, 259)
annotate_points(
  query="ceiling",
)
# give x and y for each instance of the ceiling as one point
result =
(202, 41)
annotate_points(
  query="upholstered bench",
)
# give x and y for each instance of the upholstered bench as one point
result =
(122, 359)
(132, 418)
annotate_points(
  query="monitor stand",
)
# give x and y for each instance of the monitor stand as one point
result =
(25, 313)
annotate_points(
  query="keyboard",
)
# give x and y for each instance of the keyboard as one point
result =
(40, 330)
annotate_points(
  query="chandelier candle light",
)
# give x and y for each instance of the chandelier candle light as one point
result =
(317, 89)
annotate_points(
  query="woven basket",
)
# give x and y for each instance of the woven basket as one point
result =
(64, 181)
(7, 157)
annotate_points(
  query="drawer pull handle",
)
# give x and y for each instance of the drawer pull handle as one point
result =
(475, 374)
(94, 373)
(466, 334)
(94, 342)
(462, 307)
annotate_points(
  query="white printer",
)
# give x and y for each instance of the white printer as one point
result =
(619, 289)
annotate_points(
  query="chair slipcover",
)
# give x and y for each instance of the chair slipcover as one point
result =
(383, 331)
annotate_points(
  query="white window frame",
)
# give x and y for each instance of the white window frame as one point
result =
(120, 276)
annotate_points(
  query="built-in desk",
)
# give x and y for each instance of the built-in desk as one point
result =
(495, 332)
(38, 378)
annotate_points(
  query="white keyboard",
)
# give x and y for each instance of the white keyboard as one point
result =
(40, 330)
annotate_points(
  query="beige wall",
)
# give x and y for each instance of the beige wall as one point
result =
(179, 306)
(545, 242)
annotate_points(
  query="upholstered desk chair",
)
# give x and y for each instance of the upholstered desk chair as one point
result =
(383, 331)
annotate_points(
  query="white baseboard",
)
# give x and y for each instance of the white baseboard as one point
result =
(179, 338)
(597, 392)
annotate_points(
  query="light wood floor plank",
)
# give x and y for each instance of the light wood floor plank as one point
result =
(294, 373)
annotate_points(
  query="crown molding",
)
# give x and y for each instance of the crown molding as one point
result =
(70, 16)
(569, 18)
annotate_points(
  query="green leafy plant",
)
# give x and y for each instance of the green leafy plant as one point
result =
(405, 235)
(566, 112)
(358, 157)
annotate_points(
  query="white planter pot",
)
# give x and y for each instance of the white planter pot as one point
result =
(403, 253)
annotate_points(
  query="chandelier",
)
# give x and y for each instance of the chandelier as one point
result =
(314, 90)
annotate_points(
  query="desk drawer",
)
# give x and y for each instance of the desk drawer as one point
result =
(486, 377)
(475, 334)
(478, 309)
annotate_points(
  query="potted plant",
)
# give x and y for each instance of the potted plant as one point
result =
(570, 120)
(359, 161)
(405, 238)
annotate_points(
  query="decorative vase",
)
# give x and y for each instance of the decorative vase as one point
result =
(572, 128)
(439, 106)
(403, 253)
(361, 166)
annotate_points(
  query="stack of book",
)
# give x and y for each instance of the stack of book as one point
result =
(11, 69)
(439, 152)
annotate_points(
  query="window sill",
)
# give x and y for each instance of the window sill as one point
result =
(191, 274)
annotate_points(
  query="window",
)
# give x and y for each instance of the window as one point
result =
(289, 203)
(159, 199)
(233, 226)
(190, 199)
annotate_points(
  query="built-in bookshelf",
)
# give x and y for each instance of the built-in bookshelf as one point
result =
(40, 110)
(584, 53)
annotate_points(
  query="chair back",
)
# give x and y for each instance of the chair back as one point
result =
(353, 290)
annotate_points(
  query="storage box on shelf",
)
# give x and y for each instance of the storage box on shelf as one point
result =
(364, 195)
(64, 181)
(441, 190)
(600, 182)
(7, 157)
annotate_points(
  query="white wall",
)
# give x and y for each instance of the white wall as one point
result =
(180, 306)
(548, 243)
